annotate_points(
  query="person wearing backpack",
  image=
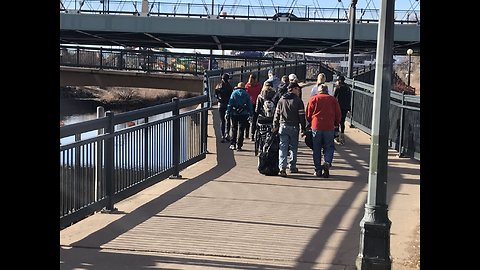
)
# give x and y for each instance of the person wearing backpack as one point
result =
(265, 106)
(223, 91)
(239, 110)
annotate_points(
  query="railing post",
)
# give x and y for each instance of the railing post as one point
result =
(400, 139)
(148, 61)
(352, 99)
(109, 161)
(165, 63)
(258, 69)
(196, 64)
(77, 178)
(101, 58)
(176, 139)
(296, 64)
(145, 152)
(204, 116)
(241, 73)
(78, 56)
(99, 152)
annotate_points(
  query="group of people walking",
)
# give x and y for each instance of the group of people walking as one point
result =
(278, 102)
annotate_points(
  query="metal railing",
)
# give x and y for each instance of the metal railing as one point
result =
(404, 115)
(105, 160)
(262, 12)
(148, 60)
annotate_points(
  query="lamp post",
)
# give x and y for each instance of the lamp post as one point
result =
(409, 53)
(374, 248)
(352, 39)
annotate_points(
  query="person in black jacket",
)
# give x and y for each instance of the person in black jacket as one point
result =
(282, 89)
(223, 91)
(343, 94)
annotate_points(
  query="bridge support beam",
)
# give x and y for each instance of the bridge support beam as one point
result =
(104, 78)
(374, 251)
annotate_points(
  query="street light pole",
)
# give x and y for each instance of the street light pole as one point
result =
(352, 39)
(374, 248)
(409, 53)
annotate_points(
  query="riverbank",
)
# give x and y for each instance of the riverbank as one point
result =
(85, 99)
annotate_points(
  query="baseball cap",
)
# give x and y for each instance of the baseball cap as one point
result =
(340, 78)
(292, 77)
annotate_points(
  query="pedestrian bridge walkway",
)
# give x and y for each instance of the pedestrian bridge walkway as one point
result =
(223, 214)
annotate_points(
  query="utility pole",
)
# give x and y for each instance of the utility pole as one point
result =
(374, 249)
(352, 38)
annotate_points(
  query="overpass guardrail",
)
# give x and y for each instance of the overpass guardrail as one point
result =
(236, 11)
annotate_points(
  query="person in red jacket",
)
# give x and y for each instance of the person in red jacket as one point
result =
(253, 88)
(324, 114)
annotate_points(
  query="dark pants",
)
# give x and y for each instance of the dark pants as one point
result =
(342, 120)
(224, 123)
(342, 123)
(238, 120)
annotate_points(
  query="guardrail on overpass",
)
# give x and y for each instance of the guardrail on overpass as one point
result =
(236, 11)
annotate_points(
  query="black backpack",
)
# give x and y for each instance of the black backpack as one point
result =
(268, 158)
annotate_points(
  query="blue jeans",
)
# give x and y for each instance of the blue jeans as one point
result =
(288, 140)
(322, 140)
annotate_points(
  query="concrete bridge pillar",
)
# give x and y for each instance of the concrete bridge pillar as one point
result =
(144, 7)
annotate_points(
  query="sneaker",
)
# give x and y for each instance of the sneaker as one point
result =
(227, 138)
(318, 173)
(223, 140)
(326, 169)
(253, 138)
(283, 173)
(293, 170)
(239, 149)
(232, 147)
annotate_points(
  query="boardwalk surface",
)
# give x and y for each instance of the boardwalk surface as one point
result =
(223, 214)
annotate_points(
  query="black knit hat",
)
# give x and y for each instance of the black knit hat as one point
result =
(293, 85)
